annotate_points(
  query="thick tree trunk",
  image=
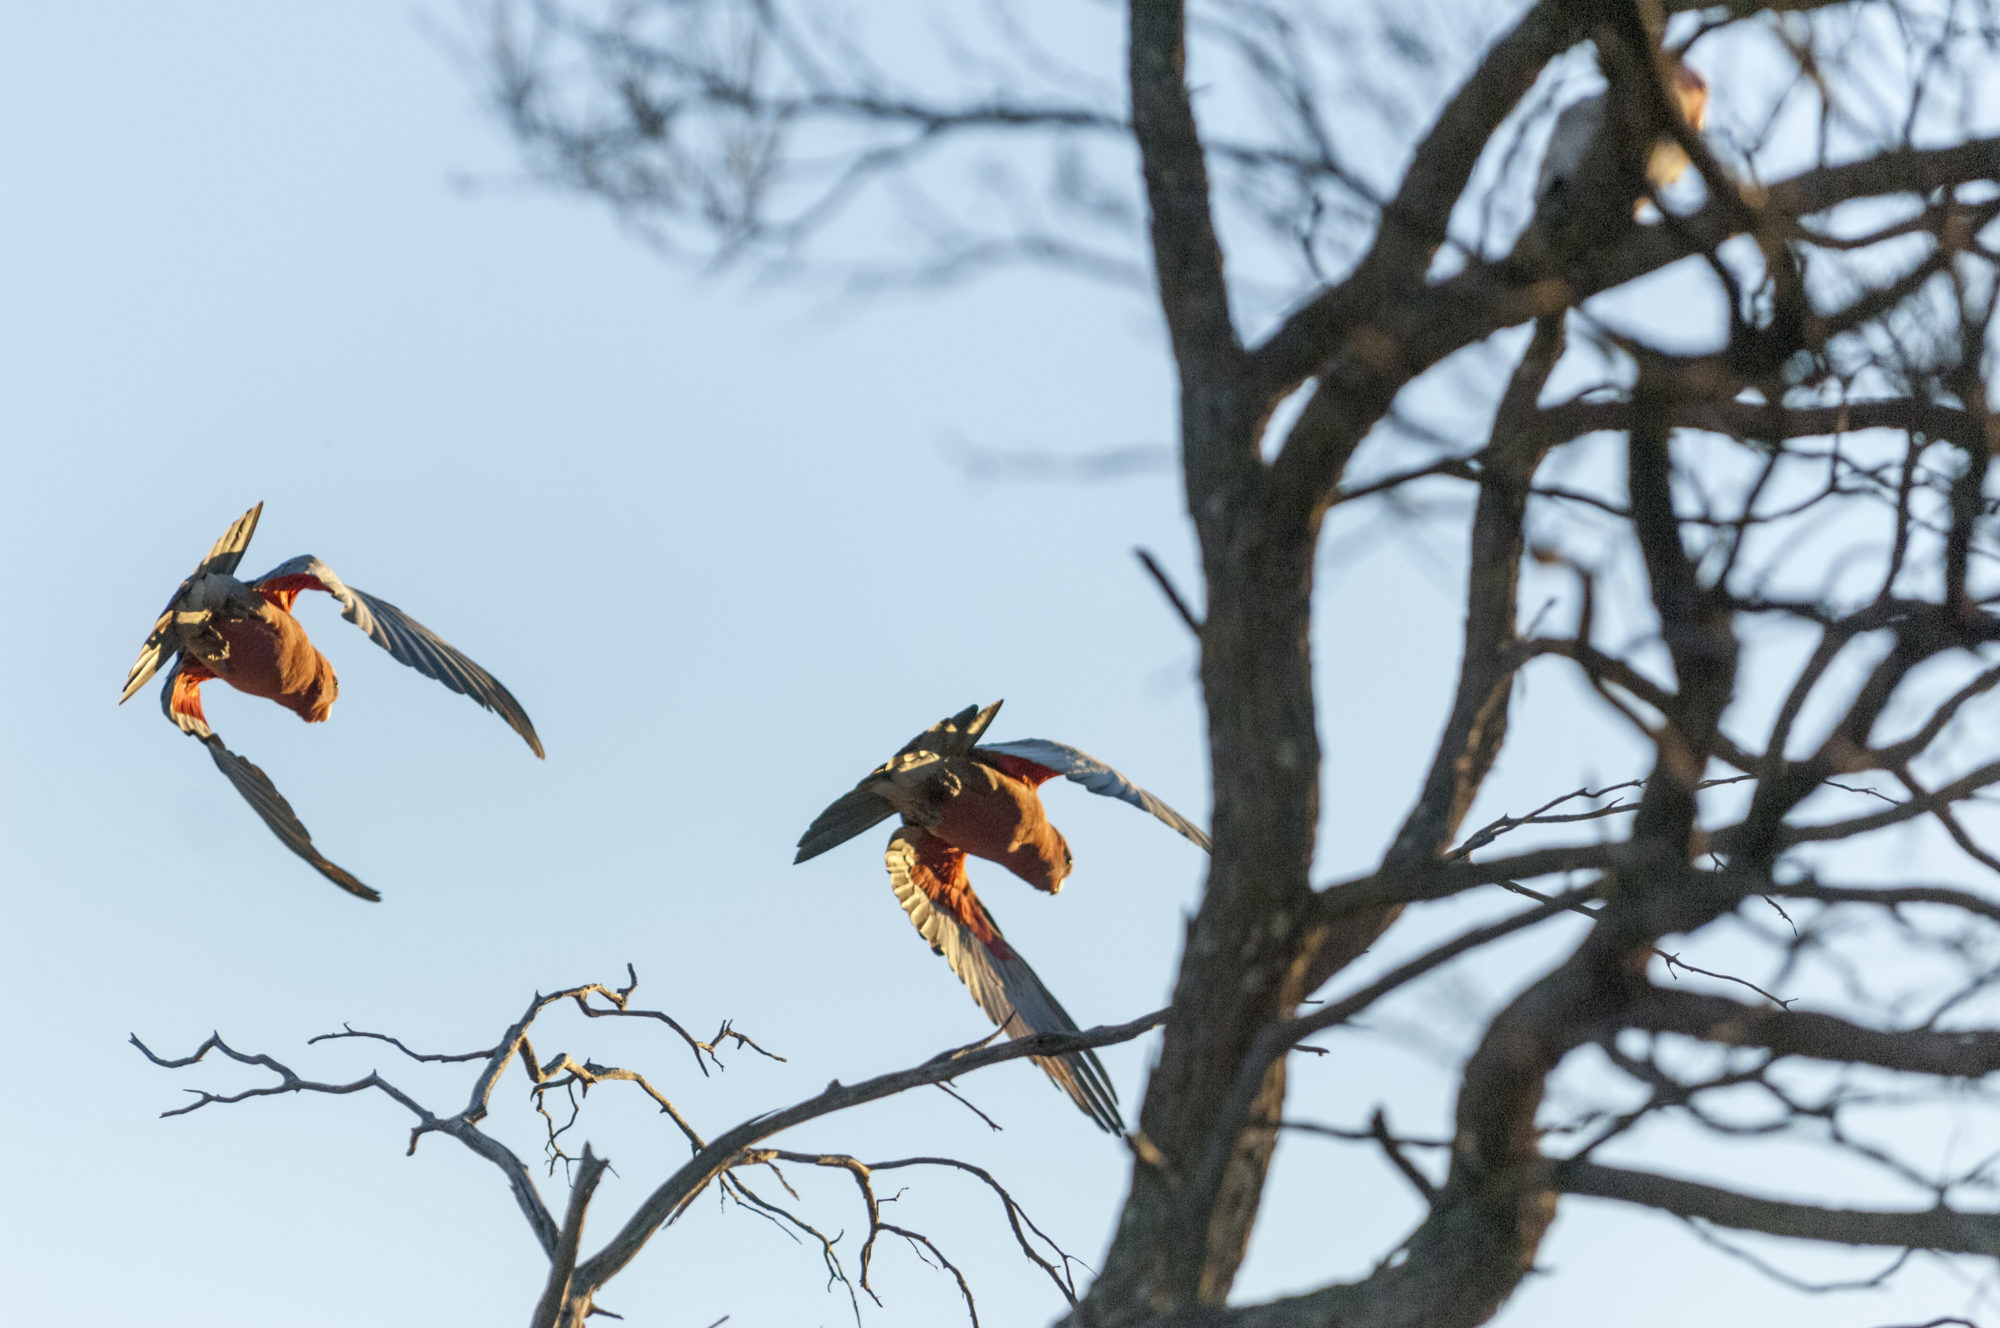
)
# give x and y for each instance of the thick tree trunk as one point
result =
(1187, 1219)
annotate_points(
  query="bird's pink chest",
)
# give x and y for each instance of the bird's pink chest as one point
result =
(270, 656)
(1000, 818)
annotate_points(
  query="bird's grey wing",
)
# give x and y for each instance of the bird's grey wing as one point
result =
(262, 795)
(223, 556)
(860, 809)
(1085, 769)
(848, 815)
(407, 640)
(268, 803)
(930, 882)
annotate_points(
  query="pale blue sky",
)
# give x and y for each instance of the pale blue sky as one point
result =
(715, 540)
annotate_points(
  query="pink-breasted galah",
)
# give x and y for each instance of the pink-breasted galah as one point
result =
(243, 633)
(958, 796)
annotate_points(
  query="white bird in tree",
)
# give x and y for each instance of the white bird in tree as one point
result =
(1577, 129)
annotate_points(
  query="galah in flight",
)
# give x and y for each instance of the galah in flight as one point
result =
(243, 633)
(1578, 126)
(958, 796)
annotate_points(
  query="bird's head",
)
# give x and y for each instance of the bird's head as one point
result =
(1044, 863)
(313, 701)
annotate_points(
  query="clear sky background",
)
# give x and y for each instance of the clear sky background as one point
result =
(722, 543)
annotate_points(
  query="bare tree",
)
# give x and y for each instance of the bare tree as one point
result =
(558, 1085)
(1770, 557)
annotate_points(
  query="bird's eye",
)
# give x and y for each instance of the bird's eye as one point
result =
(1069, 858)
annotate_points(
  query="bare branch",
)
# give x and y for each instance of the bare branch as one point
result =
(462, 1128)
(725, 1150)
(555, 1307)
(1173, 596)
(1940, 1229)
(1966, 1053)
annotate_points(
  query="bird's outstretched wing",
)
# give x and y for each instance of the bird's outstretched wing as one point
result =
(930, 882)
(407, 640)
(861, 809)
(848, 815)
(1038, 759)
(180, 698)
(223, 556)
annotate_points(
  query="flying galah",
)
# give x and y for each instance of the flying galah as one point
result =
(244, 634)
(1577, 129)
(957, 796)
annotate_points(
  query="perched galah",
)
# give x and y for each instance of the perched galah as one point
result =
(244, 634)
(958, 797)
(1577, 129)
